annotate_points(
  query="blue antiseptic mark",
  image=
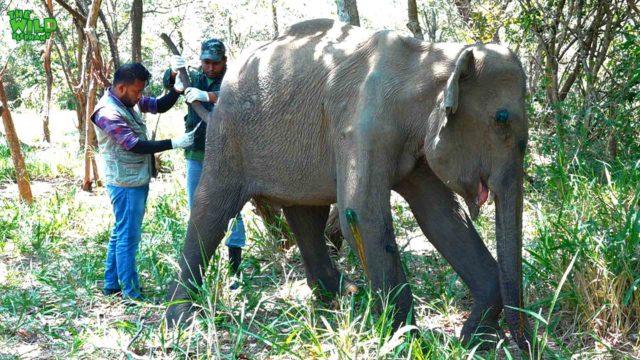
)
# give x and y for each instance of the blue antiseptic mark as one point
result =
(522, 145)
(502, 117)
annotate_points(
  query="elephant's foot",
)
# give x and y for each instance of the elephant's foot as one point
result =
(330, 287)
(179, 315)
(348, 287)
(486, 333)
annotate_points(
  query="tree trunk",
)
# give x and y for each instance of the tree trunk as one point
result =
(80, 84)
(22, 176)
(274, 18)
(348, 12)
(136, 31)
(89, 147)
(49, 83)
(94, 71)
(80, 111)
(414, 23)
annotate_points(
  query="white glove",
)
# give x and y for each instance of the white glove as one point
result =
(192, 94)
(177, 62)
(178, 85)
(185, 140)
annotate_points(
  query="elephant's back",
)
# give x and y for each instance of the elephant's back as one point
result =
(296, 63)
(271, 102)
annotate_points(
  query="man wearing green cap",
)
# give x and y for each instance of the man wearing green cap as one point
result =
(205, 87)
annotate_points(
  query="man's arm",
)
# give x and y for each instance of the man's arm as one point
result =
(168, 79)
(116, 127)
(151, 146)
(167, 101)
(158, 105)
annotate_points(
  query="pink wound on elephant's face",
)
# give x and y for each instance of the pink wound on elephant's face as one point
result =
(483, 194)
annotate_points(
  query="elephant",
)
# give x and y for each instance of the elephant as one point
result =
(329, 112)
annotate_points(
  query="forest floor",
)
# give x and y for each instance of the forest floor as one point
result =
(52, 261)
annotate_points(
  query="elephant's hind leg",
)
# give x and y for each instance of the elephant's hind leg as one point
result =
(450, 230)
(216, 202)
(307, 224)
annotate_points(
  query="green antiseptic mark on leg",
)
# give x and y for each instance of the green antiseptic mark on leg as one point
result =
(352, 220)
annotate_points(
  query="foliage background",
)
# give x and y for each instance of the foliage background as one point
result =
(582, 199)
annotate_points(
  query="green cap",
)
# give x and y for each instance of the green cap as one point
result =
(212, 49)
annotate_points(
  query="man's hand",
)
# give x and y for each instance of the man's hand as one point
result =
(177, 63)
(185, 140)
(178, 86)
(192, 94)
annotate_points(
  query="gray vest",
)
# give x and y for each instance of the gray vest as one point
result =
(122, 167)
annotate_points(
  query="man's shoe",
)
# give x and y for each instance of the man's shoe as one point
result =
(129, 301)
(235, 284)
(111, 292)
(235, 258)
(140, 300)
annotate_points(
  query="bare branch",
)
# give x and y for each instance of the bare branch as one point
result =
(4, 10)
(76, 15)
(4, 68)
(634, 8)
(126, 25)
(64, 68)
(113, 46)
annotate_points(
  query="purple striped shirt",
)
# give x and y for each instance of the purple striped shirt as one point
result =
(111, 122)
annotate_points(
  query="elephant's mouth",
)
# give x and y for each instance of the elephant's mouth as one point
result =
(478, 196)
(482, 194)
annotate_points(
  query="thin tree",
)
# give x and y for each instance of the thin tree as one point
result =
(82, 81)
(274, 18)
(96, 73)
(112, 37)
(136, 31)
(22, 176)
(348, 12)
(414, 23)
(48, 80)
(73, 68)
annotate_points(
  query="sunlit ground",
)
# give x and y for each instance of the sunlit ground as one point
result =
(51, 264)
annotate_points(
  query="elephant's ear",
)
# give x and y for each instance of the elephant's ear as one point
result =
(464, 65)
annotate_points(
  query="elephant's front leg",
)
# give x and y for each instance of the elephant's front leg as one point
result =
(448, 227)
(216, 203)
(366, 222)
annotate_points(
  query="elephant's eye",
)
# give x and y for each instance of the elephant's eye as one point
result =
(502, 117)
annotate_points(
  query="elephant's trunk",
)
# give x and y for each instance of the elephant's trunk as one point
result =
(509, 240)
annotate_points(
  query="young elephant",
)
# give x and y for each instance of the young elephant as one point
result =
(331, 112)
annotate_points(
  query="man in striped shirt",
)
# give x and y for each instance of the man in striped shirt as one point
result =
(128, 159)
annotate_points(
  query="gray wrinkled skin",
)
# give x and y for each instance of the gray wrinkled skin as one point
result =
(332, 113)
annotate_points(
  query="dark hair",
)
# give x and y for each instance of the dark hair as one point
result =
(128, 73)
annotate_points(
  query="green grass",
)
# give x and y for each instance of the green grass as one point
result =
(37, 169)
(590, 209)
(43, 164)
(582, 272)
